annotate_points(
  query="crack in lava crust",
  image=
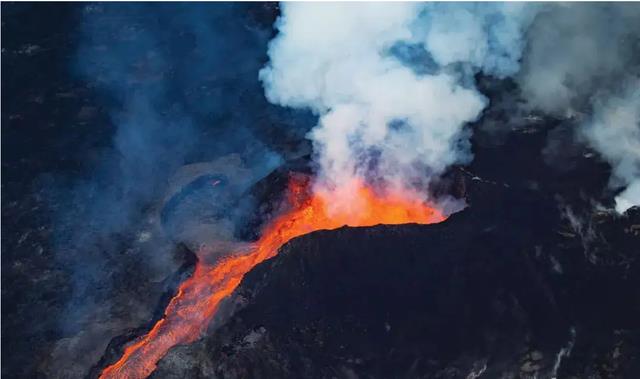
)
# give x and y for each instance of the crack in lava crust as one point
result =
(198, 298)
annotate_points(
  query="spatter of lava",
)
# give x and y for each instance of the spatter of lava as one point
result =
(197, 300)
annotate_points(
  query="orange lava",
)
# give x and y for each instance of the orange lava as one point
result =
(192, 309)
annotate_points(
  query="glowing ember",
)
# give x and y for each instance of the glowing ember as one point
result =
(190, 311)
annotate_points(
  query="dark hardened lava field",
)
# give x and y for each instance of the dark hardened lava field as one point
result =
(530, 279)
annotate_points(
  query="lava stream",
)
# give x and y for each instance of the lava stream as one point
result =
(193, 307)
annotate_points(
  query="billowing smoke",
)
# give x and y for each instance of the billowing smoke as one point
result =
(584, 59)
(174, 83)
(394, 84)
(614, 131)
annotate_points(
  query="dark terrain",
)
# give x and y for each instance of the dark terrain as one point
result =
(439, 301)
(521, 284)
(535, 278)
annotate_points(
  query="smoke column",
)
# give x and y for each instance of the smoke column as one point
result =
(392, 84)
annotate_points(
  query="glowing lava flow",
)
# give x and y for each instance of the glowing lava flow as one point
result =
(190, 311)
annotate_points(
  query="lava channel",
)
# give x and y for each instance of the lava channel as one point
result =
(191, 310)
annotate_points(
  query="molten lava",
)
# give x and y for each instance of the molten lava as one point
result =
(193, 307)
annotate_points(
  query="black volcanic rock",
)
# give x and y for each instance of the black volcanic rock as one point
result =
(265, 199)
(530, 272)
(505, 288)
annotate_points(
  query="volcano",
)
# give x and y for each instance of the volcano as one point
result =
(469, 303)
(198, 298)
(377, 300)
(468, 306)
(275, 191)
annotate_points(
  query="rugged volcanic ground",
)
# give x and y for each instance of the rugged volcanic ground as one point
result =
(532, 279)
(440, 301)
(513, 286)
(528, 281)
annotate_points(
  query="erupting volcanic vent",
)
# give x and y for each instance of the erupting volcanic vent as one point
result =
(199, 297)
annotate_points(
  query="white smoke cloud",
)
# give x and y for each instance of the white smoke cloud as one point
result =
(574, 50)
(586, 58)
(379, 117)
(393, 83)
(615, 132)
(489, 37)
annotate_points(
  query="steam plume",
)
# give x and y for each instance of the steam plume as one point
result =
(585, 59)
(392, 83)
(614, 131)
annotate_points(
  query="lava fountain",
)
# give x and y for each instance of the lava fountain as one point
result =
(198, 298)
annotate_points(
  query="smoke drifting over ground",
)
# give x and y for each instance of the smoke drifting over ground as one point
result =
(577, 50)
(131, 127)
(586, 59)
(394, 84)
(614, 131)
(393, 87)
(175, 81)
